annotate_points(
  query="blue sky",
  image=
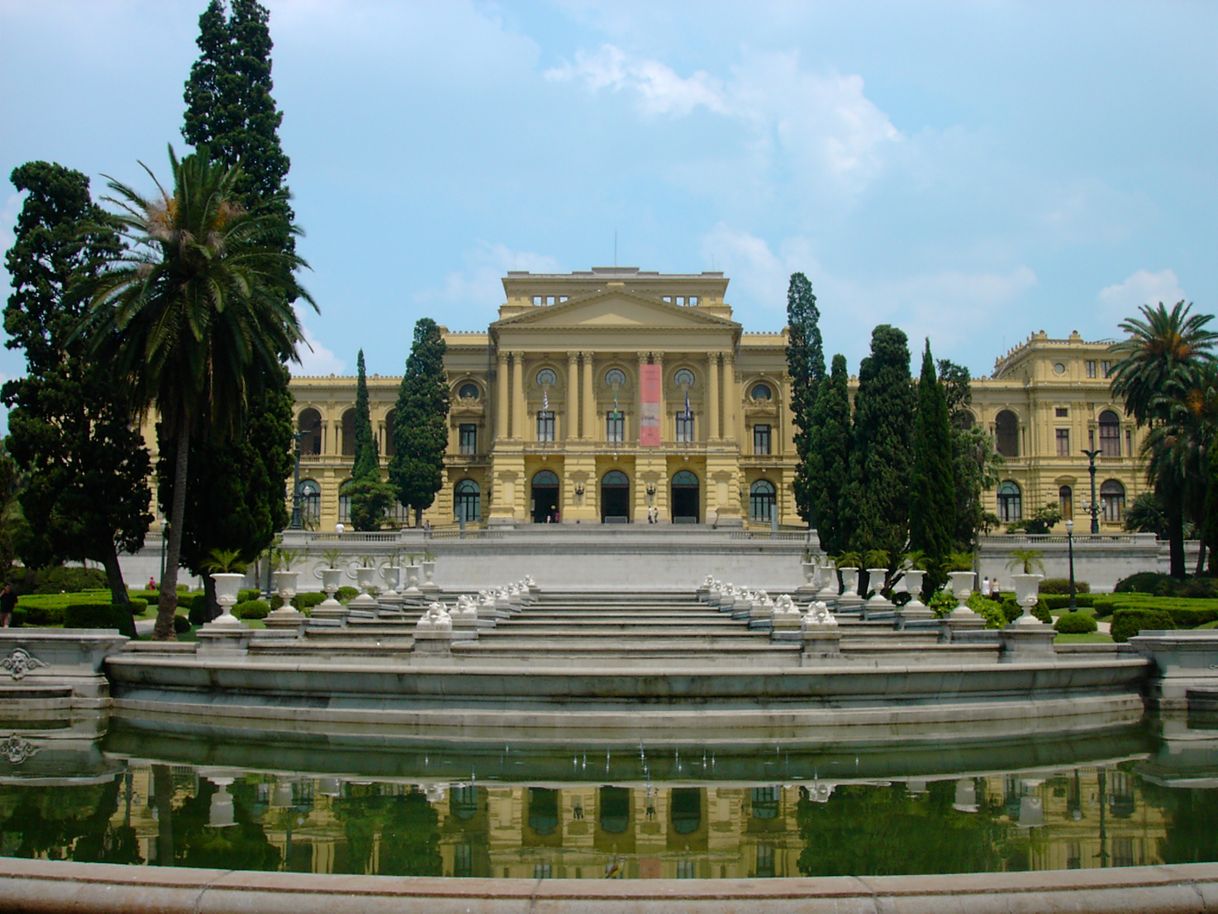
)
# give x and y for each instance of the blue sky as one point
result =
(971, 172)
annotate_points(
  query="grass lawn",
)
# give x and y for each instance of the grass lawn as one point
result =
(1088, 638)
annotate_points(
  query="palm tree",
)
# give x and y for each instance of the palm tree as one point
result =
(195, 314)
(1162, 368)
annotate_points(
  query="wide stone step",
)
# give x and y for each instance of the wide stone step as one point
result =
(625, 641)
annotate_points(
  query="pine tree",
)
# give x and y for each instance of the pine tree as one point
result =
(882, 454)
(806, 366)
(932, 497)
(975, 463)
(421, 428)
(72, 428)
(370, 497)
(230, 110)
(829, 458)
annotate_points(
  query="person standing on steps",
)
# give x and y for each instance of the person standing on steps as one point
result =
(8, 602)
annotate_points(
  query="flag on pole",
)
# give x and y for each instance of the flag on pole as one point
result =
(687, 414)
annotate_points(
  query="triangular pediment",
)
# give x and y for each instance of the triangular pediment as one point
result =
(614, 309)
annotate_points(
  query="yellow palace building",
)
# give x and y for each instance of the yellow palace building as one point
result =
(617, 395)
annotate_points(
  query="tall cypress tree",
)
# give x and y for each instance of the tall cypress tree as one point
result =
(420, 429)
(882, 454)
(932, 497)
(806, 366)
(231, 111)
(976, 465)
(370, 495)
(829, 459)
(72, 428)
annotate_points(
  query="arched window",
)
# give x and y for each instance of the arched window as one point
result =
(684, 377)
(761, 392)
(615, 377)
(1110, 434)
(467, 502)
(1006, 428)
(1010, 502)
(963, 419)
(1112, 501)
(349, 433)
(309, 425)
(344, 503)
(546, 377)
(761, 501)
(390, 449)
(468, 391)
(310, 503)
(1065, 501)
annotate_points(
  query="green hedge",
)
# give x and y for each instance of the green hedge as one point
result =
(42, 615)
(1128, 622)
(100, 615)
(1062, 585)
(1162, 585)
(346, 594)
(195, 605)
(68, 579)
(306, 601)
(181, 625)
(252, 609)
(248, 593)
(1075, 623)
(1062, 600)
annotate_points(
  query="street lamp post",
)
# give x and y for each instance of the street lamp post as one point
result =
(1095, 507)
(1070, 553)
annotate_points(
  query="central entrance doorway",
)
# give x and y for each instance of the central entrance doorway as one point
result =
(545, 497)
(615, 498)
(685, 498)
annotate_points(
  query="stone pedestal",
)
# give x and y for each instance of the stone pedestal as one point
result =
(849, 600)
(820, 643)
(223, 638)
(1027, 642)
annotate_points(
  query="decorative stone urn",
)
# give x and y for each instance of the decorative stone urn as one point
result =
(966, 795)
(1027, 587)
(227, 585)
(285, 584)
(331, 579)
(877, 602)
(429, 572)
(962, 589)
(811, 582)
(849, 600)
(220, 811)
(828, 584)
(365, 579)
(287, 615)
(391, 574)
(411, 590)
(915, 608)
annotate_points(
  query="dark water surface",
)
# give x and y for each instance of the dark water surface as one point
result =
(148, 795)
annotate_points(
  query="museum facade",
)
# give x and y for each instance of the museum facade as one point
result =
(616, 395)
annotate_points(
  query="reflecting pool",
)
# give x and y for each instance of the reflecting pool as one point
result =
(720, 811)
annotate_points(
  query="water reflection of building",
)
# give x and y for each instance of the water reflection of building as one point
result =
(1084, 818)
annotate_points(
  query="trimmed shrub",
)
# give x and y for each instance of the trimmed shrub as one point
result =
(248, 593)
(68, 579)
(195, 605)
(181, 625)
(138, 605)
(44, 615)
(1128, 622)
(1191, 616)
(1062, 585)
(100, 615)
(1062, 600)
(346, 594)
(151, 597)
(252, 609)
(306, 601)
(1075, 624)
(1197, 587)
(990, 610)
(1145, 582)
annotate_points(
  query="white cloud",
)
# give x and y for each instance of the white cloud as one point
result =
(822, 123)
(1123, 299)
(315, 359)
(481, 279)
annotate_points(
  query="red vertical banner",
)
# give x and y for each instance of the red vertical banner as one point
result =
(649, 403)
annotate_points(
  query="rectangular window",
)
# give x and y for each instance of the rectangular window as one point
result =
(1091, 368)
(545, 425)
(685, 428)
(761, 439)
(1061, 412)
(1110, 439)
(1129, 442)
(468, 439)
(615, 426)
(1063, 442)
(1106, 367)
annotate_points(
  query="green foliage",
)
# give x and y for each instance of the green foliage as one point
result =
(1167, 586)
(248, 593)
(72, 428)
(420, 427)
(988, 609)
(1013, 610)
(827, 464)
(307, 600)
(224, 561)
(882, 452)
(137, 606)
(1128, 622)
(346, 594)
(932, 497)
(1062, 585)
(1062, 600)
(1145, 515)
(370, 497)
(1041, 522)
(181, 625)
(1026, 561)
(1077, 623)
(100, 615)
(197, 608)
(67, 579)
(806, 368)
(942, 602)
(197, 316)
(252, 609)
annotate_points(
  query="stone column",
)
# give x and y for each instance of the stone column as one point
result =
(501, 397)
(518, 417)
(571, 414)
(638, 400)
(731, 396)
(587, 395)
(712, 398)
(658, 359)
